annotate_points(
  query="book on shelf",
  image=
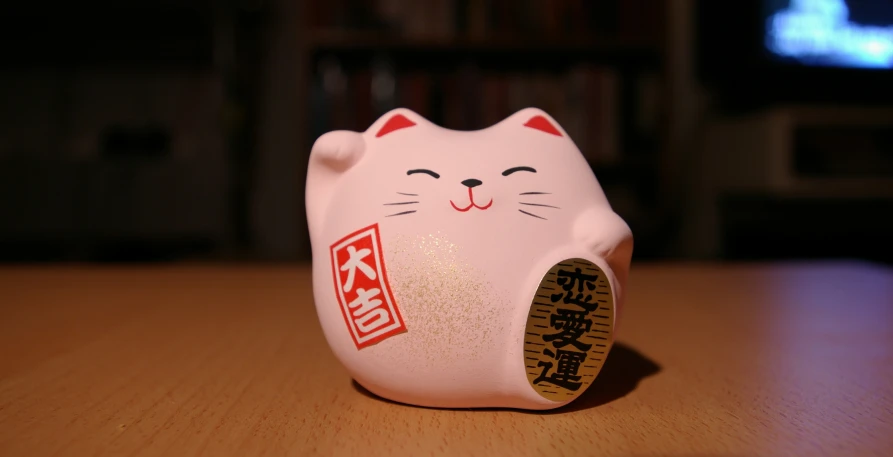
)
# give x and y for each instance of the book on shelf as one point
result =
(480, 19)
(585, 100)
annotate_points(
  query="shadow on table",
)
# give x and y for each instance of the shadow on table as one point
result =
(622, 372)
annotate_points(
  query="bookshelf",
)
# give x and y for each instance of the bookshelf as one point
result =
(597, 66)
(111, 147)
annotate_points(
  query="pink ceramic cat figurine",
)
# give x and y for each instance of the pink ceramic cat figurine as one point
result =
(465, 269)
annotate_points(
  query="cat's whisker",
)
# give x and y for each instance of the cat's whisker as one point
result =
(401, 214)
(539, 204)
(532, 215)
(400, 203)
(407, 194)
(535, 193)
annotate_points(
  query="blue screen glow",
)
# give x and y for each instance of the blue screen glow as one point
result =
(821, 32)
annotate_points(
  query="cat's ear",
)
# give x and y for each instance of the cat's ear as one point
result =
(534, 120)
(394, 122)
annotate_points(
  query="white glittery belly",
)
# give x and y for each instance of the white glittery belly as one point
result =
(455, 316)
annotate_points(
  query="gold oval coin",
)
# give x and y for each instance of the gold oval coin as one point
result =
(570, 329)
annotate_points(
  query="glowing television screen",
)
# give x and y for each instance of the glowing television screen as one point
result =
(831, 33)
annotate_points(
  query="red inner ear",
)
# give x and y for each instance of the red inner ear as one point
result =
(541, 123)
(396, 122)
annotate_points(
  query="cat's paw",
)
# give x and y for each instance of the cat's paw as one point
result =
(338, 150)
(332, 155)
(607, 236)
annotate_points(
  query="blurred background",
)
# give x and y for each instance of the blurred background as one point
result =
(171, 130)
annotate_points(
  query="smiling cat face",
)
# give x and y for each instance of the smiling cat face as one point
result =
(523, 170)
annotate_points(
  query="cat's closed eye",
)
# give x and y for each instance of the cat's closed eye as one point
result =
(517, 169)
(422, 170)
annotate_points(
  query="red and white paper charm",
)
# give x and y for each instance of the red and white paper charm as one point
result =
(361, 285)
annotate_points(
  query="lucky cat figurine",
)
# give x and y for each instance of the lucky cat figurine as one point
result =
(465, 268)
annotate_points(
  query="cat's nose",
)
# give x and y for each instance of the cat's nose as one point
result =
(471, 183)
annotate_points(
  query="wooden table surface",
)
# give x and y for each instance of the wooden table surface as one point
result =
(738, 360)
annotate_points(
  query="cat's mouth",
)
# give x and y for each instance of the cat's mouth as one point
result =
(472, 204)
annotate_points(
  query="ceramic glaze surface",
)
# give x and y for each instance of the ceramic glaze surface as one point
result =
(429, 245)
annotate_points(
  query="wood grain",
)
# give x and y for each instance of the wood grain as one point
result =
(792, 359)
